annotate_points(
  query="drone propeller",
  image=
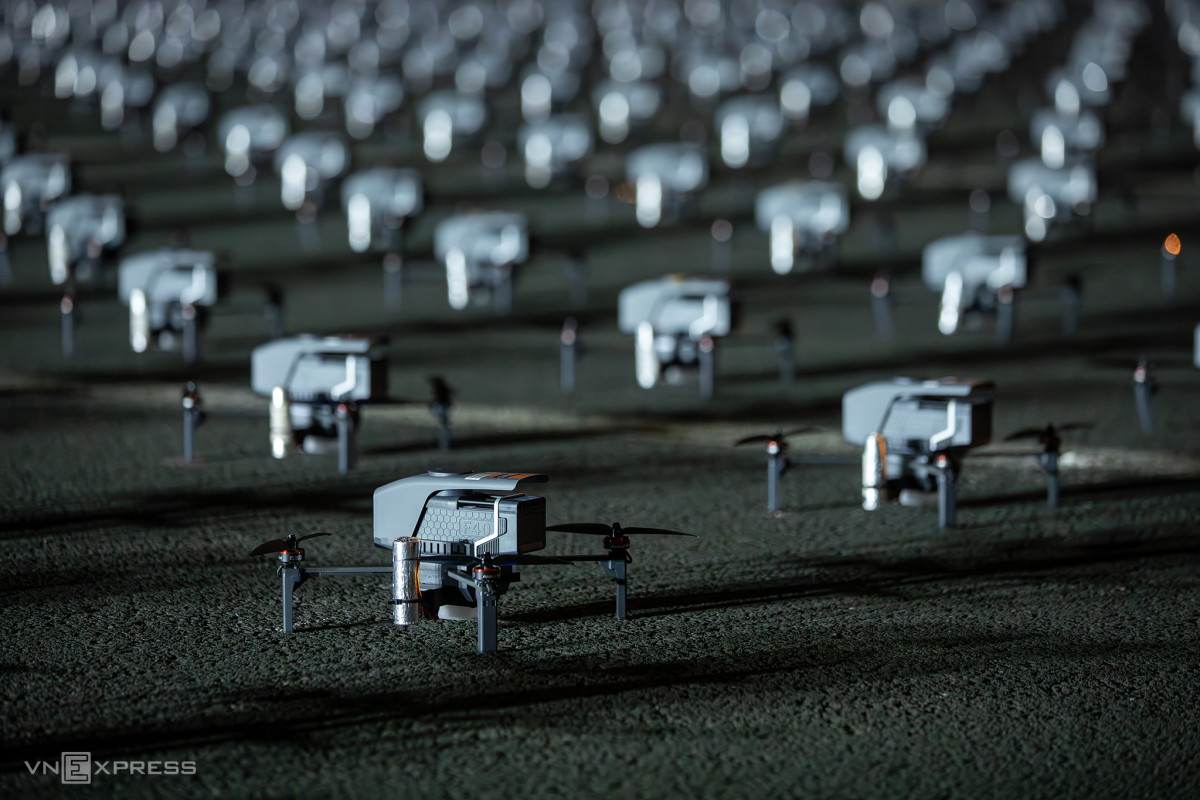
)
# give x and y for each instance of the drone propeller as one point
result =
(614, 530)
(778, 435)
(1049, 436)
(290, 544)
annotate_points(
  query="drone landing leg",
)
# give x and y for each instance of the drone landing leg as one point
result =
(773, 473)
(393, 281)
(708, 367)
(566, 357)
(67, 308)
(502, 292)
(881, 307)
(191, 335)
(1072, 294)
(273, 311)
(347, 455)
(617, 569)
(291, 578)
(1049, 463)
(946, 498)
(785, 353)
(1005, 314)
(1141, 395)
(485, 613)
(189, 434)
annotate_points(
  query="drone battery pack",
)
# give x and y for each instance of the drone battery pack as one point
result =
(478, 524)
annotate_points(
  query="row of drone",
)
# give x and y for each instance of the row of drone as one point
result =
(458, 540)
(168, 291)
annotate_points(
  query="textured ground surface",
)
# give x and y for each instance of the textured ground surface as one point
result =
(828, 651)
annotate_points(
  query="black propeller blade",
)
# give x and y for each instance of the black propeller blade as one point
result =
(283, 545)
(779, 435)
(1048, 432)
(614, 530)
(1049, 436)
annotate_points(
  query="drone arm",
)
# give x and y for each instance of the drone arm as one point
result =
(347, 570)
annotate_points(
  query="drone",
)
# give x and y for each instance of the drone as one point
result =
(30, 184)
(480, 250)
(675, 321)
(665, 178)
(378, 201)
(805, 87)
(875, 151)
(914, 435)
(447, 119)
(1064, 193)
(79, 230)
(457, 541)
(179, 111)
(369, 101)
(975, 274)
(169, 292)
(909, 104)
(316, 386)
(777, 459)
(249, 136)
(554, 147)
(622, 108)
(750, 127)
(307, 163)
(802, 219)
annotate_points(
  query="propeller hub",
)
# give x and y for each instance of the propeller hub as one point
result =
(617, 542)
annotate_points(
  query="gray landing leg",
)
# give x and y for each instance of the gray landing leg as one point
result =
(617, 569)
(946, 498)
(773, 472)
(291, 577)
(347, 452)
(485, 612)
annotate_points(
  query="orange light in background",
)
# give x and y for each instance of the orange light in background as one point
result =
(1172, 245)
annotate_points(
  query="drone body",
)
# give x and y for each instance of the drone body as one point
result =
(79, 229)
(1047, 194)
(665, 178)
(975, 273)
(316, 385)
(803, 220)
(914, 434)
(480, 251)
(167, 292)
(675, 321)
(30, 184)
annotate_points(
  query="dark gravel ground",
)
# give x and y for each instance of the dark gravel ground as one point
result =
(827, 651)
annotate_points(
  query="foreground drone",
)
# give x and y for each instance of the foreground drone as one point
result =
(457, 540)
(914, 435)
